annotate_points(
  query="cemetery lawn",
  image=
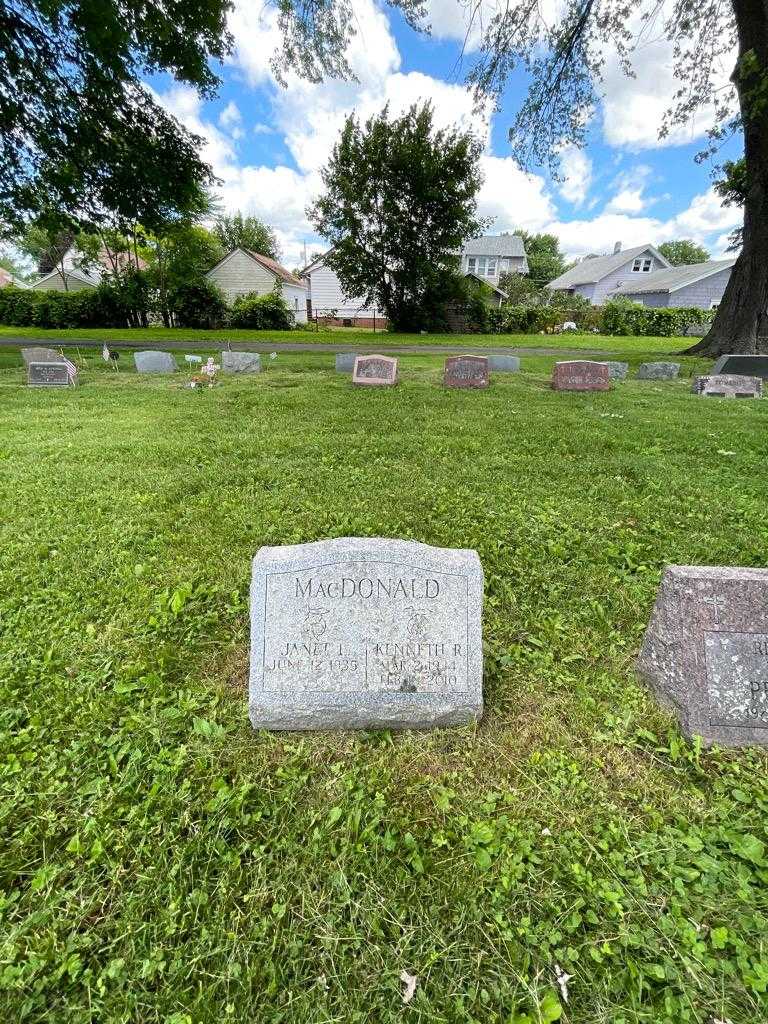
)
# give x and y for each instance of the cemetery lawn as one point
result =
(161, 863)
(156, 337)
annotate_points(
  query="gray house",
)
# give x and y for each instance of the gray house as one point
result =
(597, 277)
(491, 255)
(695, 285)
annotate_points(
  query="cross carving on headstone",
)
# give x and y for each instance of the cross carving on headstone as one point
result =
(715, 601)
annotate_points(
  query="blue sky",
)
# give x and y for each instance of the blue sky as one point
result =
(268, 144)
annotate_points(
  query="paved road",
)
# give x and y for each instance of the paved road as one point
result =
(295, 346)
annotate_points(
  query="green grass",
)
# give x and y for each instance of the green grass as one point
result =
(349, 336)
(161, 862)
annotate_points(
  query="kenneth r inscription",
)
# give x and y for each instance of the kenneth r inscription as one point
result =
(365, 633)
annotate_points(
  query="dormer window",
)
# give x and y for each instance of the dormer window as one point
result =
(642, 265)
(482, 266)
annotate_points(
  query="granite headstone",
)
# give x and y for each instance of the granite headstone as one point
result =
(581, 375)
(503, 364)
(749, 366)
(241, 362)
(658, 371)
(705, 652)
(617, 371)
(375, 371)
(466, 372)
(41, 355)
(154, 362)
(364, 633)
(49, 375)
(345, 362)
(728, 385)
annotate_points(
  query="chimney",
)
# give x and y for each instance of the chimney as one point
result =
(617, 248)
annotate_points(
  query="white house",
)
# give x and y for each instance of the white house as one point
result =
(598, 277)
(243, 272)
(326, 298)
(693, 285)
(492, 255)
(67, 279)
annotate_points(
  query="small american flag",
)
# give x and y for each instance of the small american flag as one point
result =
(105, 353)
(71, 368)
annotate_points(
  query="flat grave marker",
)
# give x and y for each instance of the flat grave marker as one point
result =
(466, 372)
(362, 633)
(705, 652)
(728, 385)
(749, 366)
(374, 371)
(581, 375)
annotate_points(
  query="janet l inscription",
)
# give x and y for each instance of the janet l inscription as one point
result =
(365, 633)
(705, 653)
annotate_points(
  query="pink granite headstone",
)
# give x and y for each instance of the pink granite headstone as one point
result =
(466, 372)
(581, 375)
(728, 385)
(705, 652)
(375, 371)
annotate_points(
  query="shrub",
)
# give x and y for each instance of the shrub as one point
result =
(262, 313)
(624, 317)
(93, 307)
(198, 304)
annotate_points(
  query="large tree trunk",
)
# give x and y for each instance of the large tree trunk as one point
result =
(741, 322)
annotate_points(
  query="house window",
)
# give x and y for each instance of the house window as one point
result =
(482, 266)
(491, 268)
(642, 265)
(471, 264)
(714, 305)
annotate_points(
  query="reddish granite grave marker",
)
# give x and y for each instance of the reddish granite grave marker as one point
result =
(581, 375)
(728, 385)
(375, 371)
(466, 372)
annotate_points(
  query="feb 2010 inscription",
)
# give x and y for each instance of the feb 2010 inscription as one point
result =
(365, 633)
(705, 653)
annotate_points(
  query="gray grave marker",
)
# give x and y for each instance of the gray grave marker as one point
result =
(241, 362)
(364, 633)
(41, 355)
(154, 362)
(658, 371)
(705, 653)
(617, 371)
(345, 362)
(504, 364)
(749, 366)
(49, 375)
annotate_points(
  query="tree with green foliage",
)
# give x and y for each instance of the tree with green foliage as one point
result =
(520, 289)
(545, 260)
(235, 231)
(400, 198)
(683, 252)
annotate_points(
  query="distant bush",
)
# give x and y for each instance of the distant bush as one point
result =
(525, 319)
(261, 313)
(93, 307)
(624, 317)
(198, 304)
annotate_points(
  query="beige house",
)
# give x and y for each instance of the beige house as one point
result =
(243, 272)
(68, 279)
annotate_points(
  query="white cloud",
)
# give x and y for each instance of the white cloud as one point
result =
(462, 20)
(512, 198)
(230, 119)
(576, 170)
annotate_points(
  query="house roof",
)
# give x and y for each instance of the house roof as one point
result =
(6, 278)
(78, 275)
(276, 268)
(595, 268)
(494, 245)
(674, 278)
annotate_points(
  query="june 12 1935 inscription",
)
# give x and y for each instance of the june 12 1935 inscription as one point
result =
(365, 633)
(706, 651)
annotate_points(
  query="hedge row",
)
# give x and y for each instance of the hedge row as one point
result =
(618, 317)
(197, 304)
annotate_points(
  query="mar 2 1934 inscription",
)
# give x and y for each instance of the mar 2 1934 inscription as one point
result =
(705, 653)
(365, 633)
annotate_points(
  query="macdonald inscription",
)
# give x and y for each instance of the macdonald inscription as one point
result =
(363, 632)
